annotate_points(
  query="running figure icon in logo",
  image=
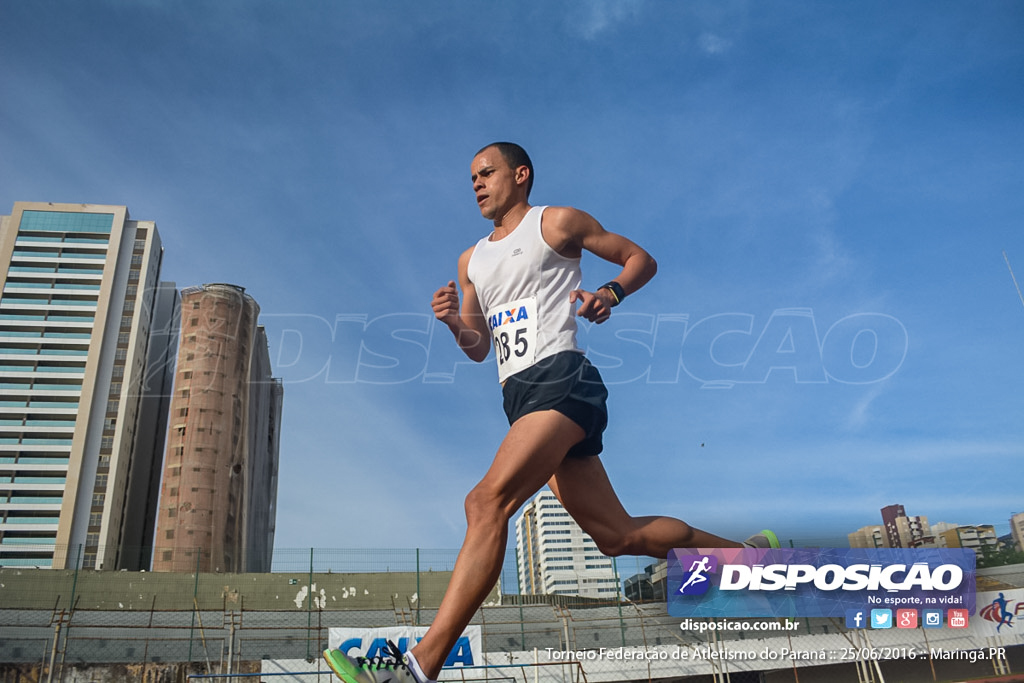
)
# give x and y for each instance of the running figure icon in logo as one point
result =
(696, 582)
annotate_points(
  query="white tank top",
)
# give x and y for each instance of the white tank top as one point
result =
(523, 287)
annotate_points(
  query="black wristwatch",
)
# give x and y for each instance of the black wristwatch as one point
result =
(618, 294)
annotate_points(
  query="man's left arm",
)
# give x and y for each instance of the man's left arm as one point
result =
(577, 231)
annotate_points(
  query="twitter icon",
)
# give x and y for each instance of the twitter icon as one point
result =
(881, 618)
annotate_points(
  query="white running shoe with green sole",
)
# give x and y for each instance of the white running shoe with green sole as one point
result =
(766, 538)
(390, 668)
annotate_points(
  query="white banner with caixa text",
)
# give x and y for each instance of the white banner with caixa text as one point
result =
(371, 642)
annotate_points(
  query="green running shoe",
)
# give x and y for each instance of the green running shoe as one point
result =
(390, 668)
(766, 538)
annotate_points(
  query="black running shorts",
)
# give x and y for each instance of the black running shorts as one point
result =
(565, 382)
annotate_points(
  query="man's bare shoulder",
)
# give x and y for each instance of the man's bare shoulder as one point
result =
(565, 228)
(565, 215)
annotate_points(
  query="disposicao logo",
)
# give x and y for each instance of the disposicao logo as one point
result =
(696, 580)
(817, 582)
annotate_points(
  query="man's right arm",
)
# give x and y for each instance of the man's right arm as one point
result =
(467, 321)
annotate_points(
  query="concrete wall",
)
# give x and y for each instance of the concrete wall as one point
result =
(111, 673)
(52, 589)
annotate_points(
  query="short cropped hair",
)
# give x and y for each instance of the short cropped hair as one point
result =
(515, 156)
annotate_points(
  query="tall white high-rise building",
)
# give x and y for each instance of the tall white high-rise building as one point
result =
(556, 557)
(83, 333)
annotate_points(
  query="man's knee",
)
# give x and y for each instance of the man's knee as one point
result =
(484, 505)
(475, 503)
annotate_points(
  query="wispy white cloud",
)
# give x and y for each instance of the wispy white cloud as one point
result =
(598, 17)
(860, 415)
(713, 44)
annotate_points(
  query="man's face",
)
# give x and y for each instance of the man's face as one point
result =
(494, 183)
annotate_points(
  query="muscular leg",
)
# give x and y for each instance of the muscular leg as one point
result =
(583, 488)
(530, 454)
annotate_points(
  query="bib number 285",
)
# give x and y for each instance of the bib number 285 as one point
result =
(505, 347)
(514, 328)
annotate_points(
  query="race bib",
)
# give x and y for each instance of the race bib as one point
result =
(514, 330)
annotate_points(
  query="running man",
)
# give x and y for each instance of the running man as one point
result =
(1005, 615)
(697, 570)
(522, 292)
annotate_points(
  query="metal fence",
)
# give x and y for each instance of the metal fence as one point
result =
(55, 625)
(612, 642)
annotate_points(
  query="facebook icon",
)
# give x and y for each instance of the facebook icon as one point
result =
(855, 618)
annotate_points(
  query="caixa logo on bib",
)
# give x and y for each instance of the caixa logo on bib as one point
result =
(816, 582)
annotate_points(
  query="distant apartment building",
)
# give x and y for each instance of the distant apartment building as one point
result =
(556, 557)
(219, 493)
(902, 531)
(1017, 530)
(83, 344)
(980, 539)
(867, 537)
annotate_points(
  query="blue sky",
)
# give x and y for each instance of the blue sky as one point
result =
(829, 189)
